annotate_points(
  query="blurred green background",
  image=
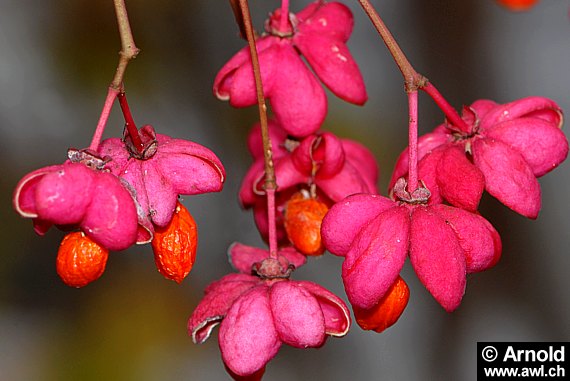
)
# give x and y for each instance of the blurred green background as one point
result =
(56, 60)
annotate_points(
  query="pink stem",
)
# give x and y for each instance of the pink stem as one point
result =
(111, 95)
(450, 113)
(128, 52)
(413, 141)
(272, 226)
(130, 123)
(284, 15)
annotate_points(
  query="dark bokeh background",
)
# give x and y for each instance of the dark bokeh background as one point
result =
(56, 59)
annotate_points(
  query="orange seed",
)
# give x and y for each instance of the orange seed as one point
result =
(175, 245)
(387, 311)
(518, 5)
(80, 260)
(303, 218)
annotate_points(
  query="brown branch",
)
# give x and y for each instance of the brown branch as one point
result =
(129, 50)
(270, 184)
(412, 79)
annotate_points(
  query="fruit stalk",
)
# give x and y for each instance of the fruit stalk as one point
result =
(270, 184)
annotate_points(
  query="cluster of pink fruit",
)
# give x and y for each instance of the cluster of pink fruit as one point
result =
(327, 197)
(117, 193)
